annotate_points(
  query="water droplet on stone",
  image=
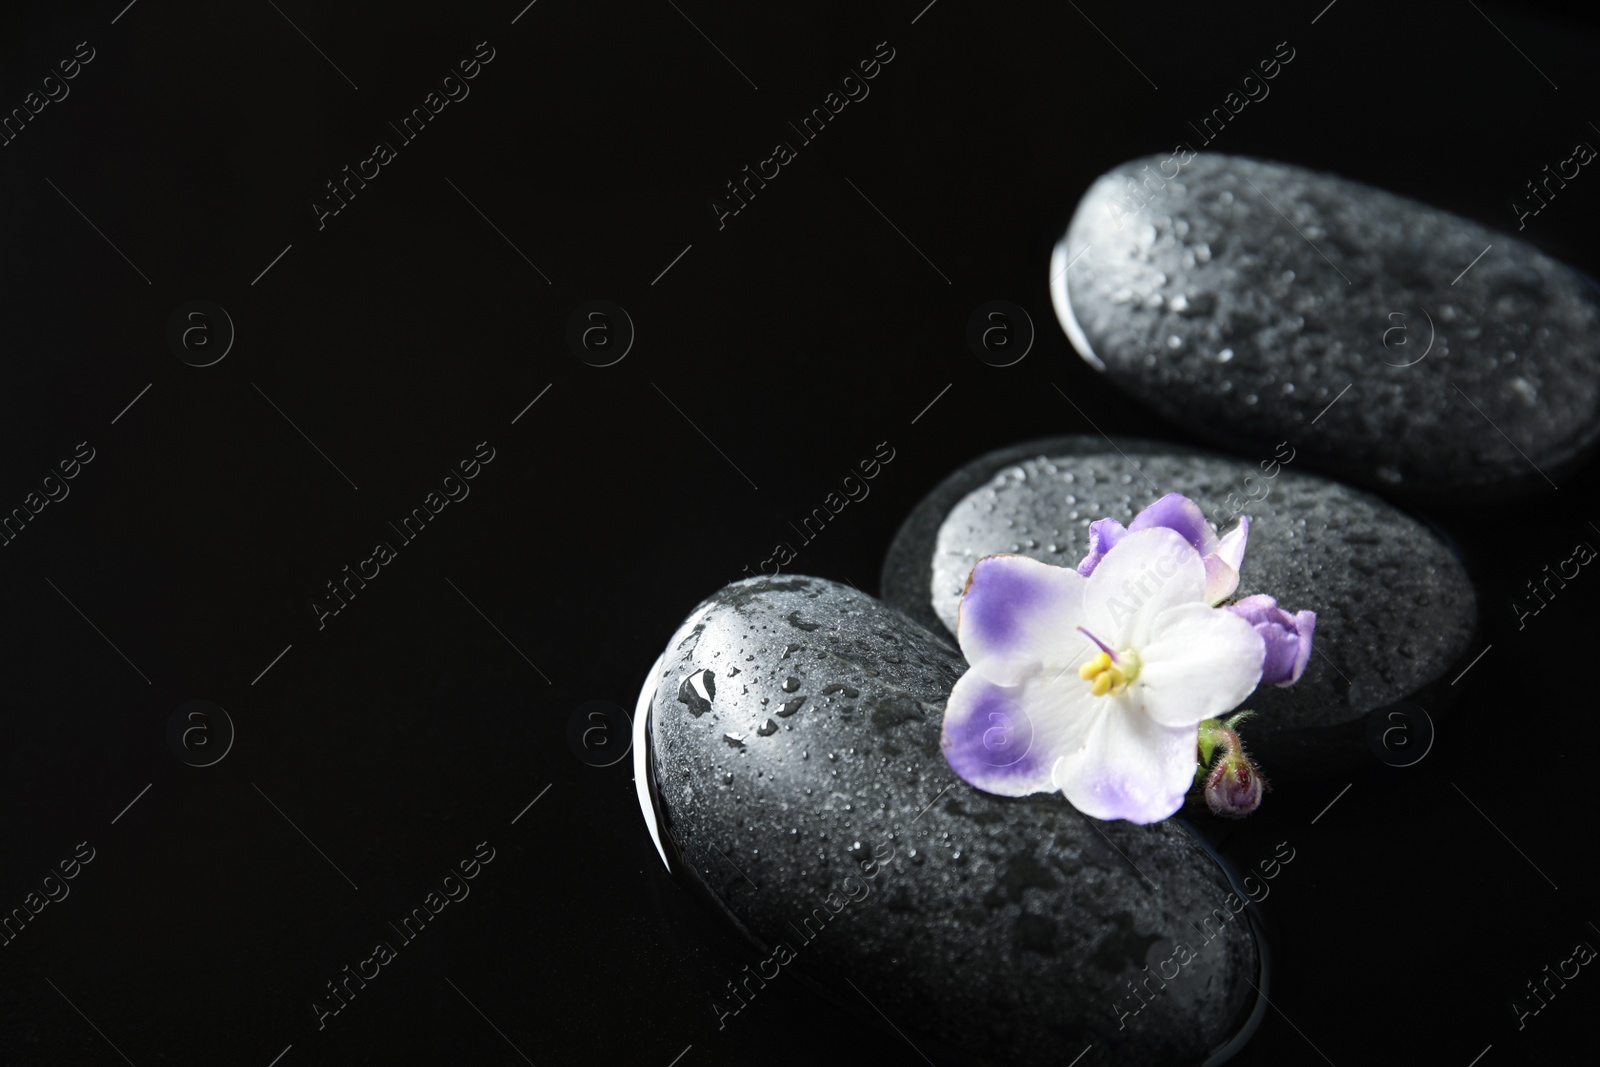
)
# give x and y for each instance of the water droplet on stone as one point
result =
(696, 692)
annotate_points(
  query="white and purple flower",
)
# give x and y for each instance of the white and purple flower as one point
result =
(1096, 685)
(1097, 681)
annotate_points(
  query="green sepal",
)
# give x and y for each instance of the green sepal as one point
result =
(1232, 722)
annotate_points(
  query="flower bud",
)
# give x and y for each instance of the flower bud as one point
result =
(1234, 786)
(1287, 637)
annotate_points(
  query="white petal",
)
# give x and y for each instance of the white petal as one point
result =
(1148, 572)
(1199, 663)
(1019, 616)
(1231, 547)
(1004, 739)
(1221, 579)
(1129, 767)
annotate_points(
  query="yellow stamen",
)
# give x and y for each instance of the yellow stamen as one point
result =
(1099, 664)
(1107, 676)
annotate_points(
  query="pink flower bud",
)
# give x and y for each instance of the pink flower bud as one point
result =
(1234, 786)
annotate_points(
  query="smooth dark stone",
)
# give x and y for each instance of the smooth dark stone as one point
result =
(1394, 608)
(1000, 930)
(1241, 297)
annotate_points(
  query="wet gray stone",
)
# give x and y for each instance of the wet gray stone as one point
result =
(990, 930)
(1394, 608)
(1204, 297)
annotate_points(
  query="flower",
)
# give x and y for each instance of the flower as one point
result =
(1287, 637)
(1233, 788)
(1095, 685)
(1222, 555)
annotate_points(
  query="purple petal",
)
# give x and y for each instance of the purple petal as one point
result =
(1103, 537)
(1004, 739)
(1283, 647)
(1255, 609)
(1287, 637)
(1306, 623)
(1177, 512)
(1018, 614)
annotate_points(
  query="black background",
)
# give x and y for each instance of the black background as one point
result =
(407, 330)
